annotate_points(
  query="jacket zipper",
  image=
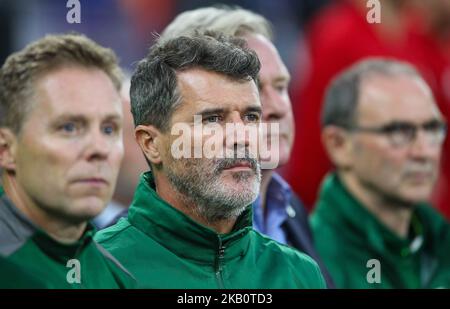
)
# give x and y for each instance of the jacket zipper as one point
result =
(218, 266)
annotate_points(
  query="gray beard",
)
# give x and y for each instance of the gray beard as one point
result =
(209, 198)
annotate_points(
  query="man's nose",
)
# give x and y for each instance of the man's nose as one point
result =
(274, 107)
(423, 146)
(98, 145)
(237, 134)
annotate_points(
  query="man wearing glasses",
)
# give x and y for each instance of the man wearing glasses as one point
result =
(372, 224)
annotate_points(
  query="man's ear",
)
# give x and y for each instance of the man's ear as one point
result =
(8, 146)
(148, 137)
(338, 145)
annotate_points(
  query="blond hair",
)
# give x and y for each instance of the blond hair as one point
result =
(22, 69)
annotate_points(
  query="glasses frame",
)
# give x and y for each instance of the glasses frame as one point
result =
(435, 126)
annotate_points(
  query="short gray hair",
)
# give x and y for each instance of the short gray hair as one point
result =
(154, 92)
(343, 93)
(231, 21)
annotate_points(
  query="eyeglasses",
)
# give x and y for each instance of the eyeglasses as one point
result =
(404, 133)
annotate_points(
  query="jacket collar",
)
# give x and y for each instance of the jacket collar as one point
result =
(64, 252)
(179, 233)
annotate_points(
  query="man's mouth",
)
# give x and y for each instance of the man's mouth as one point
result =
(237, 165)
(92, 181)
(240, 166)
(419, 177)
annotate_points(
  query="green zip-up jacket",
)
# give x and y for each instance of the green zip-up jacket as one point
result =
(45, 263)
(164, 248)
(361, 252)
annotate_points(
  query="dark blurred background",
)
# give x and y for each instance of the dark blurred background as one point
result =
(127, 26)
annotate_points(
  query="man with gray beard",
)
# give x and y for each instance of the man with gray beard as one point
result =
(190, 223)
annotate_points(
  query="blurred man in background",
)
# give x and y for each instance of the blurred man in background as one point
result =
(410, 30)
(372, 224)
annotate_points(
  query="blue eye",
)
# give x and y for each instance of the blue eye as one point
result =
(109, 129)
(69, 127)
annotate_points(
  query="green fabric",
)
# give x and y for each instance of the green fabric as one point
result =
(46, 260)
(164, 248)
(347, 236)
(18, 278)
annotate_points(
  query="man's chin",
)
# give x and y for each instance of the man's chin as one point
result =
(418, 192)
(87, 208)
(238, 178)
(410, 200)
(284, 155)
(235, 187)
(275, 159)
(415, 199)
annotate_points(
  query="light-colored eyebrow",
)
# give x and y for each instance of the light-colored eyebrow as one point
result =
(83, 118)
(282, 78)
(113, 117)
(279, 79)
